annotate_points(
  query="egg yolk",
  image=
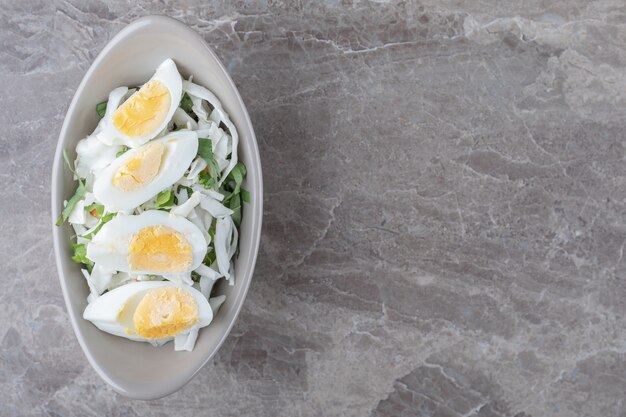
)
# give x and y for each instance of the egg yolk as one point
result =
(141, 169)
(144, 111)
(159, 249)
(165, 312)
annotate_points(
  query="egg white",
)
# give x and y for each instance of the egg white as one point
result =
(180, 149)
(166, 73)
(109, 247)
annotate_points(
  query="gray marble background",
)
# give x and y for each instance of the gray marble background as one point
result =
(445, 211)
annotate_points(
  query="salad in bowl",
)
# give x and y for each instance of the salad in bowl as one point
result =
(157, 209)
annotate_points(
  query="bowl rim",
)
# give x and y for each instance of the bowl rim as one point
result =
(57, 200)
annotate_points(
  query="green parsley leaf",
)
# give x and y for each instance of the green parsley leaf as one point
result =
(188, 189)
(237, 175)
(104, 219)
(205, 151)
(70, 166)
(209, 259)
(78, 195)
(99, 208)
(204, 178)
(122, 151)
(235, 206)
(101, 108)
(186, 103)
(212, 232)
(164, 200)
(241, 168)
(80, 253)
(245, 195)
(233, 182)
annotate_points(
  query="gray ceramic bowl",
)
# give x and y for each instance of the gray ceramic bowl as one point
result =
(138, 370)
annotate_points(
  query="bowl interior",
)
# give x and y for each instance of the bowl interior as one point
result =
(137, 369)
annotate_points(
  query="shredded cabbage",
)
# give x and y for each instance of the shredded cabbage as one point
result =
(218, 116)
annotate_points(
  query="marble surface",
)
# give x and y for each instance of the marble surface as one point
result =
(445, 210)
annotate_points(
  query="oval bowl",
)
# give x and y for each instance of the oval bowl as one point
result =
(138, 370)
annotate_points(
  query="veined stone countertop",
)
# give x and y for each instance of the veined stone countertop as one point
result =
(445, 208)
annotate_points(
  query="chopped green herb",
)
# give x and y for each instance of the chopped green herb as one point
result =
(101, 108)
(205, 179)
(99, 208)
(205, 151)
(188, 189)
(78, 195)
(237, 175)
(233, 182)
(235, 206)
(245, 195)
(80, 253)
(186, 103)
(164, 200)
(195, 276)
(122, 151)
(209, 259)
(70, 166)
(212, 232)
(104, 219)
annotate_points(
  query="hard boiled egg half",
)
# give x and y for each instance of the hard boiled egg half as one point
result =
(147, 112)
(141, 173)
(150, 311)
(153, 242)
